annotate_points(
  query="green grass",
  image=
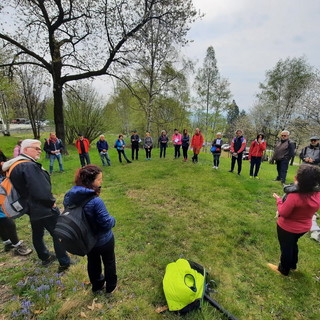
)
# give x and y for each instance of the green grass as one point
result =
(166, 209)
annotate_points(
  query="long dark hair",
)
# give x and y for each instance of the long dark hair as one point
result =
(260, 134)
(86, 175)
(308, 177)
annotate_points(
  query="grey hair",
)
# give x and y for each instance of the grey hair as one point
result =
(28, 143)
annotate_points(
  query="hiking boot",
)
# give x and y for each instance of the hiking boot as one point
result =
(21, 250)
(65, 267)
(49, 261)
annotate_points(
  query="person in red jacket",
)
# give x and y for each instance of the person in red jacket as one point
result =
(196, 144)
(295, 216)
(255, 154)
(83, 146)
(238, 145)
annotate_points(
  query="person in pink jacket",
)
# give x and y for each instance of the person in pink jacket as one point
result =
(255, 154)
(177, 142)
(295, 216)
(196, 144)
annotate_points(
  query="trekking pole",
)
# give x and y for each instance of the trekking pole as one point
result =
(218, 307)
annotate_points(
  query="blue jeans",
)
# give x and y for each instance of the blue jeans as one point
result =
(52, 158)
(43, 253)
(84, 158)
(105, 156)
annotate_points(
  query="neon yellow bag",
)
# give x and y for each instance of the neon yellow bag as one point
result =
(184, 285)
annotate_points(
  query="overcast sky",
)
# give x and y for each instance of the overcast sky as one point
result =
(251, 36)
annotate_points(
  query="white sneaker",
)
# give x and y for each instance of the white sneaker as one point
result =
(315, 235)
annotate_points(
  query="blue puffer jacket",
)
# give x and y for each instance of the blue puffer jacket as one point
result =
(95, 210)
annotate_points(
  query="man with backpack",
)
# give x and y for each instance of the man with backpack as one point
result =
(33, 184)
(53, 147)
(311, 153)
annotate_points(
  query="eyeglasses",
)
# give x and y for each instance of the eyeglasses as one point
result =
(313, 140)
(36, 148)
(284, 135)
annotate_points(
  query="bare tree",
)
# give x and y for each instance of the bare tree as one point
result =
(32, 87)
(81, 39)
(84, 113)
(280, 95)
(213, 91)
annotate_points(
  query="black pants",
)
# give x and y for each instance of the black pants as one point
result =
(177, 150)
(239, 161)
(289, 250)
(282, 168)
(216, 159)
(185, 151)
(134, 149)
(124, 155)
(255, 164)
(163, 148)
(148, 153)
(106, 255)
(8, 230)
(43, 253)
(84, 158)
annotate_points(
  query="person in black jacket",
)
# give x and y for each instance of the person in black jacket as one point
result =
(216, 145)
(135, 139)
(283, 152)
(163, 142)
(33, 184)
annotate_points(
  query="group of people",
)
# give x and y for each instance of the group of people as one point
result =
(295, 210)
(33, 184)
(179, 140)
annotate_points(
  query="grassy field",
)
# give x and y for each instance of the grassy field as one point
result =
(166, 209)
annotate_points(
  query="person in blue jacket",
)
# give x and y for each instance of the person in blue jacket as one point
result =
(88, 183)
(119, 145)
(102, 146)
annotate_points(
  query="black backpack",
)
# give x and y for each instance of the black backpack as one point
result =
(74, 230)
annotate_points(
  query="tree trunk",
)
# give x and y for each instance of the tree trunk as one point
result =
(58, 113)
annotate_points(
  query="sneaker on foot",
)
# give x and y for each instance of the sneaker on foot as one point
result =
(8, 247)
(315, 235)
(22, 250)
(256, 177)
(112, 289)
(51, 259)
(230, 171)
